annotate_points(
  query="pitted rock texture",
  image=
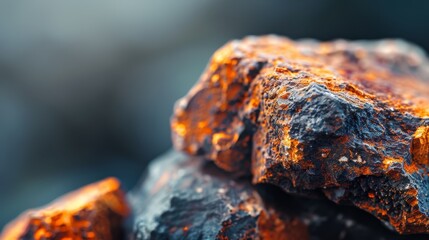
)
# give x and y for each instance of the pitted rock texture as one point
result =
(96, 211)
(188, 198)
(349, 119)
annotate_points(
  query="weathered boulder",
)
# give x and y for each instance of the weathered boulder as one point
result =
(349, 119)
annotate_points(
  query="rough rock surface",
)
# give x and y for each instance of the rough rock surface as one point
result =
(188, 198)
(349, 119)
(96, 211)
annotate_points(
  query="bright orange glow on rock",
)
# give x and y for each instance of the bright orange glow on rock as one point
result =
(420, 146)
(95, 211)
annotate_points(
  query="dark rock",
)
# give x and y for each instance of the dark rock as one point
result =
(186, 198)
(189, 198)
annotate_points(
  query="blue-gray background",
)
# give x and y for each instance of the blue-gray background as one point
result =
(87, 87)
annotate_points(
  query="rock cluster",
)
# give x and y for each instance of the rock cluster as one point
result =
(307, 140)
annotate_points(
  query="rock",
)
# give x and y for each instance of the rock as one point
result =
(348, 119)
(188, 198)
(96, 211)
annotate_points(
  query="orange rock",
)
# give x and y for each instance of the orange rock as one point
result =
(95, 211)
(344, 118)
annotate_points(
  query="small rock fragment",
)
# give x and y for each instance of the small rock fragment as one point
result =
(96, 211)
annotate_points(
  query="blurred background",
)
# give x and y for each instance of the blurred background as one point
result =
(87, 87)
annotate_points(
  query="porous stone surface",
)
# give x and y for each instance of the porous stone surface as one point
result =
(348, 119)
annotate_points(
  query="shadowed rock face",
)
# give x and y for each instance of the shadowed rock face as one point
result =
(189, 198)
(96, 211)
(186, 198)
(348, 119)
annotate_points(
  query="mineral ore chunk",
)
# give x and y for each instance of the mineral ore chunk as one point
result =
(349, 119)
(188, 198)
(96, 211)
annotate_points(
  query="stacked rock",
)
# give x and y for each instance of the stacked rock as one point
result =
(279, 139)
